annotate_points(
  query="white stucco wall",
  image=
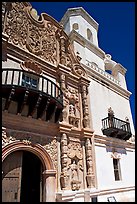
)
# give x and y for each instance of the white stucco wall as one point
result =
(122, 80)
(105, 171)
(128, 196)
(67, 27)
(86, 54)
(10, 64)
(79, 48)
(92, 57)
(101, 98)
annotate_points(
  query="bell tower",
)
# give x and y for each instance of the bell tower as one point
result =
(83, 30)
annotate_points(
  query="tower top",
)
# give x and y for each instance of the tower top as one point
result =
(79, 11)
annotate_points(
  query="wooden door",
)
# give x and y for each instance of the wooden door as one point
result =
(11, 178)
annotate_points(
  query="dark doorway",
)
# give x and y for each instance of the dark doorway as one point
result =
(30, 182)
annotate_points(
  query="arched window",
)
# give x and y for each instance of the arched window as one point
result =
(75, 26)
(89, 35)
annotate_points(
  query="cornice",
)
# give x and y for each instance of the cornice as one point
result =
(79, 11)
(106, 82)
(74, 36)
(115, 142)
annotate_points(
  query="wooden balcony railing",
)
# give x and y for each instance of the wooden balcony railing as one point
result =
(30, 94)
(115, 127)
(14, 77)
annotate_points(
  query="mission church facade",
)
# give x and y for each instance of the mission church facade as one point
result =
(67, 128)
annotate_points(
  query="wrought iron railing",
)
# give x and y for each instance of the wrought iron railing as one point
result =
(14, 77)
(111, 125)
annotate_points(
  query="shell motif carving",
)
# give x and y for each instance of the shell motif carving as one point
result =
(74, 150)
(31, 66)
(79, 71)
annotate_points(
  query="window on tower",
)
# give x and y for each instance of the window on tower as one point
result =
(75, 26)
(89, 35)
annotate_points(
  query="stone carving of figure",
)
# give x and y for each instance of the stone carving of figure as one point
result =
(110, 117)
(72, 110)
(74, 170)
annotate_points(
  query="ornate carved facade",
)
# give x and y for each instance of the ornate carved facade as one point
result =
(42, 37)
(47, 135)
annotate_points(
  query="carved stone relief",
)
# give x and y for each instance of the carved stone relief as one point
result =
(71, 163)
(37, 35)
(86, 122)
(5, 138)
(89, 160)
(17, 24)
(71, 112)
(31, 66)
(51, 148)
(75, 164)
(78, 70)
(49, 143)
(39, 40)
(64, 159)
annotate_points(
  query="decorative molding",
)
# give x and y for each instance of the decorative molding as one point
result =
(31, 66)
(27, 142)
(97, 76)
(79, 70)
(5, 138)
(41, 36)
(113, 142)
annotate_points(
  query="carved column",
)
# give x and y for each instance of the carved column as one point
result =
(62, 50)
(62, 76)
(64, 158)
(85, 106)
(84, 163)
(62, 81)
(90, 173)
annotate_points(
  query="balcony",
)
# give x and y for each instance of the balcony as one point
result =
(116, 128)
(29, 94)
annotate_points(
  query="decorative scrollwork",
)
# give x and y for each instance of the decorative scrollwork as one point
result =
(5, 138)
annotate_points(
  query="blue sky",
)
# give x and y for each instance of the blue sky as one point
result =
(116, 34)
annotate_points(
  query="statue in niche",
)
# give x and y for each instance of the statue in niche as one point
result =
(72, 110)
(75, 183)
(74, 170)
(73, 115)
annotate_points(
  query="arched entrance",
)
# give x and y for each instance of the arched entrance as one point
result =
(27, 172)
(22, 181)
